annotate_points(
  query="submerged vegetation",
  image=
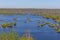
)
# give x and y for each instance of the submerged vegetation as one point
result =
(12, 35)
(55, 18)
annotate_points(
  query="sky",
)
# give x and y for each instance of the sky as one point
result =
(30, 4)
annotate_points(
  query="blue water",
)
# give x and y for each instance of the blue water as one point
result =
(41, 33)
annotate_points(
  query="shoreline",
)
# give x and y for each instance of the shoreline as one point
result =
(32, 11)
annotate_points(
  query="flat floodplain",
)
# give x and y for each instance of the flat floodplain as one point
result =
(30, 22)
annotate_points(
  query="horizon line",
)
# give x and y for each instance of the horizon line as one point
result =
(29, 8)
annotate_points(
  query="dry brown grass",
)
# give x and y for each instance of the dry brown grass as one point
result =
(33, 11)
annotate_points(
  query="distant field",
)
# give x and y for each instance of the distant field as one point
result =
(33, 11)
